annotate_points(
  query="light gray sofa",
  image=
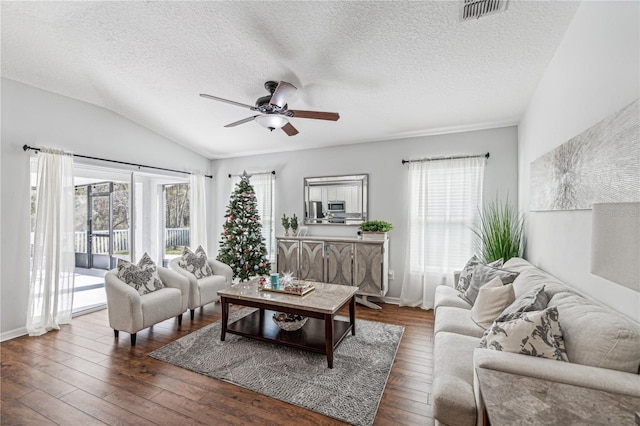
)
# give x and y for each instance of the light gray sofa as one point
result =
(205, 290)
(603, 347)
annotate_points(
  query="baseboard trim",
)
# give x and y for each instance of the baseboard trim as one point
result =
(392, 300)
(22, 331)
(12, 334)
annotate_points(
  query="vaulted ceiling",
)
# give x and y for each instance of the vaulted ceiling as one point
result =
(391, 69)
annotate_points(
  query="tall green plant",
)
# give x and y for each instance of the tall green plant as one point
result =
(500, 233)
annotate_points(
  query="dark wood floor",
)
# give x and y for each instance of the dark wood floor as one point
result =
(81, 375)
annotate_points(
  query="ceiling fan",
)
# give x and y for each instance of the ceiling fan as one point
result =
(273, 109)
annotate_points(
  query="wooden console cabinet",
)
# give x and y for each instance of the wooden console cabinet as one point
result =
(345, 261)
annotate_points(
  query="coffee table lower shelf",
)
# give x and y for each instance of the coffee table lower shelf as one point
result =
(311, 337)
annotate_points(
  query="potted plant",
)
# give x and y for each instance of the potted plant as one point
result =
(375, 229)
(285, 224)
(500, 232)
(294, 224)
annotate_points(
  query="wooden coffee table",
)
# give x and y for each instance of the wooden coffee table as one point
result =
(321, 334)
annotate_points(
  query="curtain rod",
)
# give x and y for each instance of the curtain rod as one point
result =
(273, 172)
(27, 148)
(453, 157)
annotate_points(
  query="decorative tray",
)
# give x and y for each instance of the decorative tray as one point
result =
(298, 288)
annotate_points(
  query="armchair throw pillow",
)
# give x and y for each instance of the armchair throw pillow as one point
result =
(196, 263)
(535, 333)
(492, 300)
(143, 276)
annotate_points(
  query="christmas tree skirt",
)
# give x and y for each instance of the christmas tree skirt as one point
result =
(350, 391)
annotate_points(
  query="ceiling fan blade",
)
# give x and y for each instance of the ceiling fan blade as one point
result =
(282, 93)
(318, 115)
(289, 129)
(244, 120)
(215, 98)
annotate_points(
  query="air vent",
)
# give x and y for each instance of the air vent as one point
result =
(474, 9)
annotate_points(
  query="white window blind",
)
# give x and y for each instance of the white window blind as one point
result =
(445, 197)
(264, 185)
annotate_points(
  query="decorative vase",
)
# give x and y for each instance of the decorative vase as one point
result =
(286, 232)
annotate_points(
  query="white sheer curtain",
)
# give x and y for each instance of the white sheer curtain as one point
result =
(52, 270)
(264, 185)
(198, 211)
(444, 201)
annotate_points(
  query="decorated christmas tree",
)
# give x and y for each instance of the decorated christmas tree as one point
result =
(241, 243)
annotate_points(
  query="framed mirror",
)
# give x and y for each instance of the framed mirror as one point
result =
(335, 200)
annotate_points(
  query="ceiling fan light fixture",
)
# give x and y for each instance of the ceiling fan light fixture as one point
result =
(271, 121)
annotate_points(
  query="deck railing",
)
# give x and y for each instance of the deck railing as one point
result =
(173, 237)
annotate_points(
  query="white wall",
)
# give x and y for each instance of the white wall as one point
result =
(39, 118)
(594, 73)
(387, 179)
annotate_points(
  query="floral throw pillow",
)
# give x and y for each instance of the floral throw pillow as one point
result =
(482, 274)
(196, 263)
(535, 333)
(143, 276)
(534, 300)
(464, 281)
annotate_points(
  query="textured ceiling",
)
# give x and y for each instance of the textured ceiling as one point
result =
(391, 69)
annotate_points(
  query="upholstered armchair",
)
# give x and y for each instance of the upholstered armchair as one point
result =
(205, 290)
(131, 312)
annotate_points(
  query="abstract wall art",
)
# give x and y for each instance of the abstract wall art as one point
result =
(600, 165)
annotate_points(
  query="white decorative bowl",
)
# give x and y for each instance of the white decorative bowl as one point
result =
(289, 322)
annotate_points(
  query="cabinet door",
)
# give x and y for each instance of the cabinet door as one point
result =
(288, 256)
(339, 263)
(312, 261)
(369, 268)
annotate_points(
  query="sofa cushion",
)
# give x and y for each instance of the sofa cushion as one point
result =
(464, 280)
(143, 276)
(535, 333)
(534, 277)
(492, 300)
(482, 274)
(448, 296)
(596, 335)
(517, 264)
(452, 389)
(534, 300)
(456, 320)
(196, 263)
(209, 287)
(160, 305)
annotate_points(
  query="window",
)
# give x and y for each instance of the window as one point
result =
(445, 198)
(264, 186)
(176, 220)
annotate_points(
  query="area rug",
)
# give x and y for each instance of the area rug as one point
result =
(349, 392)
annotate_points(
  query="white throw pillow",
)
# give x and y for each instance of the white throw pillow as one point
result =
(535, 333)
(492, 299)
(143, 276)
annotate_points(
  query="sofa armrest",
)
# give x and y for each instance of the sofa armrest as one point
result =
(220, 268)
(558, 371)
(124, 305)
(456, 277)
(174, 279)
